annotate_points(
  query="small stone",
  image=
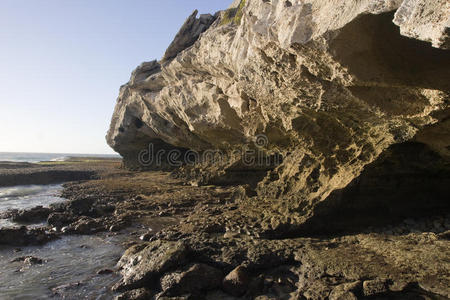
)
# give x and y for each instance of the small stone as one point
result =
(146, 237)
(86, 225)
(33, 215)
(24, 237)
(33, 261)
(114, 228)
(374, 287)
(145, 262)
(63, 289)
(60, 219)
(105, 272)
(199, 277)
(236, 282)
(30, 260)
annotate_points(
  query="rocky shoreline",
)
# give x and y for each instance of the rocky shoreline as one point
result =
(312, 158)
(208, 242)
(330, 120)
(18, 173)
(80, 214)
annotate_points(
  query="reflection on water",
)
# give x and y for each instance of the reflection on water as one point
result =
(68, 261)
(71, 260)
(29, 196)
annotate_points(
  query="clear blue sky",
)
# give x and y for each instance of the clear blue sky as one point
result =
(62, 63)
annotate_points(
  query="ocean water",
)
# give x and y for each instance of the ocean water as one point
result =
(27, 197)
(71, 261)
(37, 157)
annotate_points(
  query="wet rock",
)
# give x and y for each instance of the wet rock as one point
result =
(142, 263)
(115, 227)
(236, 282)
(86, 225)
(198, 278)
(60, 219)
(105, 272)
(81, 205)
(29, 260)
(138, 294)
(62, 290)
(24, 237)
(103, 210)
(147, 236)
(321, 266)
(37, 174)
(58, 207)
(33, 215)
(374, 287)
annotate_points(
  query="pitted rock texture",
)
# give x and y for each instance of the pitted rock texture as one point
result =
(188, 34)
(141, 263)
(331, 84)
(425, 20)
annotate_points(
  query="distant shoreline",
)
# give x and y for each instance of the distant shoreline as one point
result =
(13, 173)
(30, 157)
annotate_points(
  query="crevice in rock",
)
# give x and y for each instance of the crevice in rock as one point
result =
(372, 48)
(248, 172)
(408, 180)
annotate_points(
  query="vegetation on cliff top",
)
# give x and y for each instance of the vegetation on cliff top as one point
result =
(233, 15)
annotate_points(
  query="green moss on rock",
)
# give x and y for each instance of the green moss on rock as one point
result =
(233, 15)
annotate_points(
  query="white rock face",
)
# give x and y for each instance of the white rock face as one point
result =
(331, 84)
(426, 20)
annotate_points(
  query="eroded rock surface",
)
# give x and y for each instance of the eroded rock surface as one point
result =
(188, 34)
(21, 236)
(328, 86)
(346, 102)
(143, 263)
(425, 20)
(217, 251)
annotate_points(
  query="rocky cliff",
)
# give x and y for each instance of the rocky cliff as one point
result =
(347, 103)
